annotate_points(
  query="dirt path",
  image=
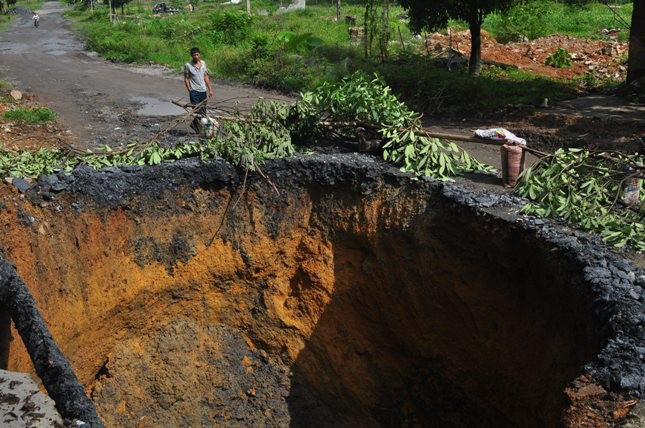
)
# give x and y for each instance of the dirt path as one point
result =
(99, 101)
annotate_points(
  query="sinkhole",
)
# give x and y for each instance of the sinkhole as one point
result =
(338, 292)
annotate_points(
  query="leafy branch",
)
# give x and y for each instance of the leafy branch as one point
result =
(584, 188)
(360, 105)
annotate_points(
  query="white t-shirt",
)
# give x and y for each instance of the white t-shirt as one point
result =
(196, 76)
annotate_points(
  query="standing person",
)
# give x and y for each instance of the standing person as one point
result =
(36, 19)
(197, 83)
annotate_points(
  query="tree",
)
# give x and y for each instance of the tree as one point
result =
(432, 15)
(377, 27)
(118, 3)
(636, 60)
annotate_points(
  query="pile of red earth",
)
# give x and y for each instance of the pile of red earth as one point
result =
(603, 58)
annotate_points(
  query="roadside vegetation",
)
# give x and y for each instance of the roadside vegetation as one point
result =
(32, 115)
(300, 50)
(541, 18)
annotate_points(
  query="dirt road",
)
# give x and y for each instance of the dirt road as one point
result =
(99, 101)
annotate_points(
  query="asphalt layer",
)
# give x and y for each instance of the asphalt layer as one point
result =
(100, 102)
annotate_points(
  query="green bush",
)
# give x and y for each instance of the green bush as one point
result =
(230, 27)
(301, 43)
(525, 19)
(31, 115)
(260, 47)
(559, 59)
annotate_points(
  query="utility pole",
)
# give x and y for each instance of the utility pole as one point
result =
(248, 7)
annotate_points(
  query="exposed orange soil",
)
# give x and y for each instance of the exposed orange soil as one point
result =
(379, 306)
(603, 58)
(93, 293)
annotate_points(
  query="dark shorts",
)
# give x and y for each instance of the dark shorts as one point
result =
(197, 97)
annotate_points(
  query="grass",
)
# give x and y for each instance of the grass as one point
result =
(539, 18)
(4, 89)
(252, 49)
(31, 115)
(31, 4)
(459, 92)
(4, 22)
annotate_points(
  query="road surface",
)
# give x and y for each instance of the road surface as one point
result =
(97, 100)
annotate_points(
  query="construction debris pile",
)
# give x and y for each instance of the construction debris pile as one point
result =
(605, 59)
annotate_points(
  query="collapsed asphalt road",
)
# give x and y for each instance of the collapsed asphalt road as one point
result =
(99, 101)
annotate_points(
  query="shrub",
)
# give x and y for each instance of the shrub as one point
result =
(559, 59)
(230, 27)
(301, 43)
(524, 19)
(260, 47)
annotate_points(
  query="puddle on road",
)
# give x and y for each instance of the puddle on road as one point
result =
(156, 107)
(14, 48)
(60, 47)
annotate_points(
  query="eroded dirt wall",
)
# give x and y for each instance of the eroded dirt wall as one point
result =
(358, 299)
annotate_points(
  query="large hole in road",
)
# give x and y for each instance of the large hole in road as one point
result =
(354, 300)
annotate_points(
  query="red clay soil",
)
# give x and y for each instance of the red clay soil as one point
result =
(590, 405)
(603, 58)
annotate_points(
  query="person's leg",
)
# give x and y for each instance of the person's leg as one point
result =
(199, 97)
(196, 98)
